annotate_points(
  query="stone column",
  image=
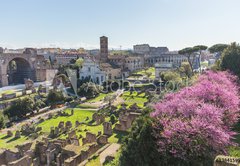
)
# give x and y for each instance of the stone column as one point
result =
(48, 157)
(59, 160)
(4, 80)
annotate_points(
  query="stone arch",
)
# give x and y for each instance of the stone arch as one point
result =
(24, 68)
(19, 69)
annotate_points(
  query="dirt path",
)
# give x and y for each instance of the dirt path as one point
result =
(111, 150)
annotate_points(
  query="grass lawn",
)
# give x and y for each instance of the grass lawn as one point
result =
(11, 142)
(100, 97)
(149, 70)
(130, 99)
(7, 92)
(94, 162)
(79, 115)
(89, 104)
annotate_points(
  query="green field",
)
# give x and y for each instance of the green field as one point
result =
(100, 97)
(11, 142)
(143, 72)
(130, 99)
(80, 115)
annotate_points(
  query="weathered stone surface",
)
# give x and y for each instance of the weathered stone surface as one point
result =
(61, 124)
(103, 139)
(126, 120)
(17, 134)
(98, 118)
(99, 133)
(75, 141)
(38, 129)
(26, 160)
(90, 138)
(8, 156)
(9, 133)
(24, 148)
(29, 84)
(77, 123)
(68, 124)
(226, 161)
(107, 128)
(72, 134)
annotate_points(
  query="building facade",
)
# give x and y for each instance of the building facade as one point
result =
(91, 70)
(65, 59)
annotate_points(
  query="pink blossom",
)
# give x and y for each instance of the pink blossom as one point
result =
(198, 119)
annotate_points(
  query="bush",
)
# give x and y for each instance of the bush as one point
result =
(113, 119)
(2, 122)
(231, 59)
(20, 108)
(55, 97)
(140, 146)
(89, 90)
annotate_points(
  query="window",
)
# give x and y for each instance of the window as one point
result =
(89, 69)
(97, 80)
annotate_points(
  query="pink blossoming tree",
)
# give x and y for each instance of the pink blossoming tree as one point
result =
(196, 122)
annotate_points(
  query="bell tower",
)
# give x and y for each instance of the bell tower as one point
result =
(103, 49)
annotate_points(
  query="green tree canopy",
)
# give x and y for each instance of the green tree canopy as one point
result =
(231, 59)
(185, 70)
(55, 97)
(89, 90)
(218, 48)
(188, 52)
(140, 147)
(20, 108)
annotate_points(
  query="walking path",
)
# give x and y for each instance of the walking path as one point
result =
(111, 150)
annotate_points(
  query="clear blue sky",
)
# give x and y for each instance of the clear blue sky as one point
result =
(80, 23)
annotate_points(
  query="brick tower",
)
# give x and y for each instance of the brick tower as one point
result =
(103, 49)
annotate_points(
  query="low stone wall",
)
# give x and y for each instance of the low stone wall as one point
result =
(21, 162)
(226, 161)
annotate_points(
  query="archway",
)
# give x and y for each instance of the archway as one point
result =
(18, 69)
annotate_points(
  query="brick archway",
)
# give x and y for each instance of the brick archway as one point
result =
(25, 68)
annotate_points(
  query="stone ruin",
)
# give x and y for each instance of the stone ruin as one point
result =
(134, 108)
(9, 133)
(61, 125)
(90, 138)
(98, 118)
(52, 152)
(67, 152)
(29, 84)
(68, 124)
(72, 134)
(17, 134)
(102, 140)
(126, 120)
(28, 129)
(226, 161)
(107, 128)
(77, 123)
(23, 149)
